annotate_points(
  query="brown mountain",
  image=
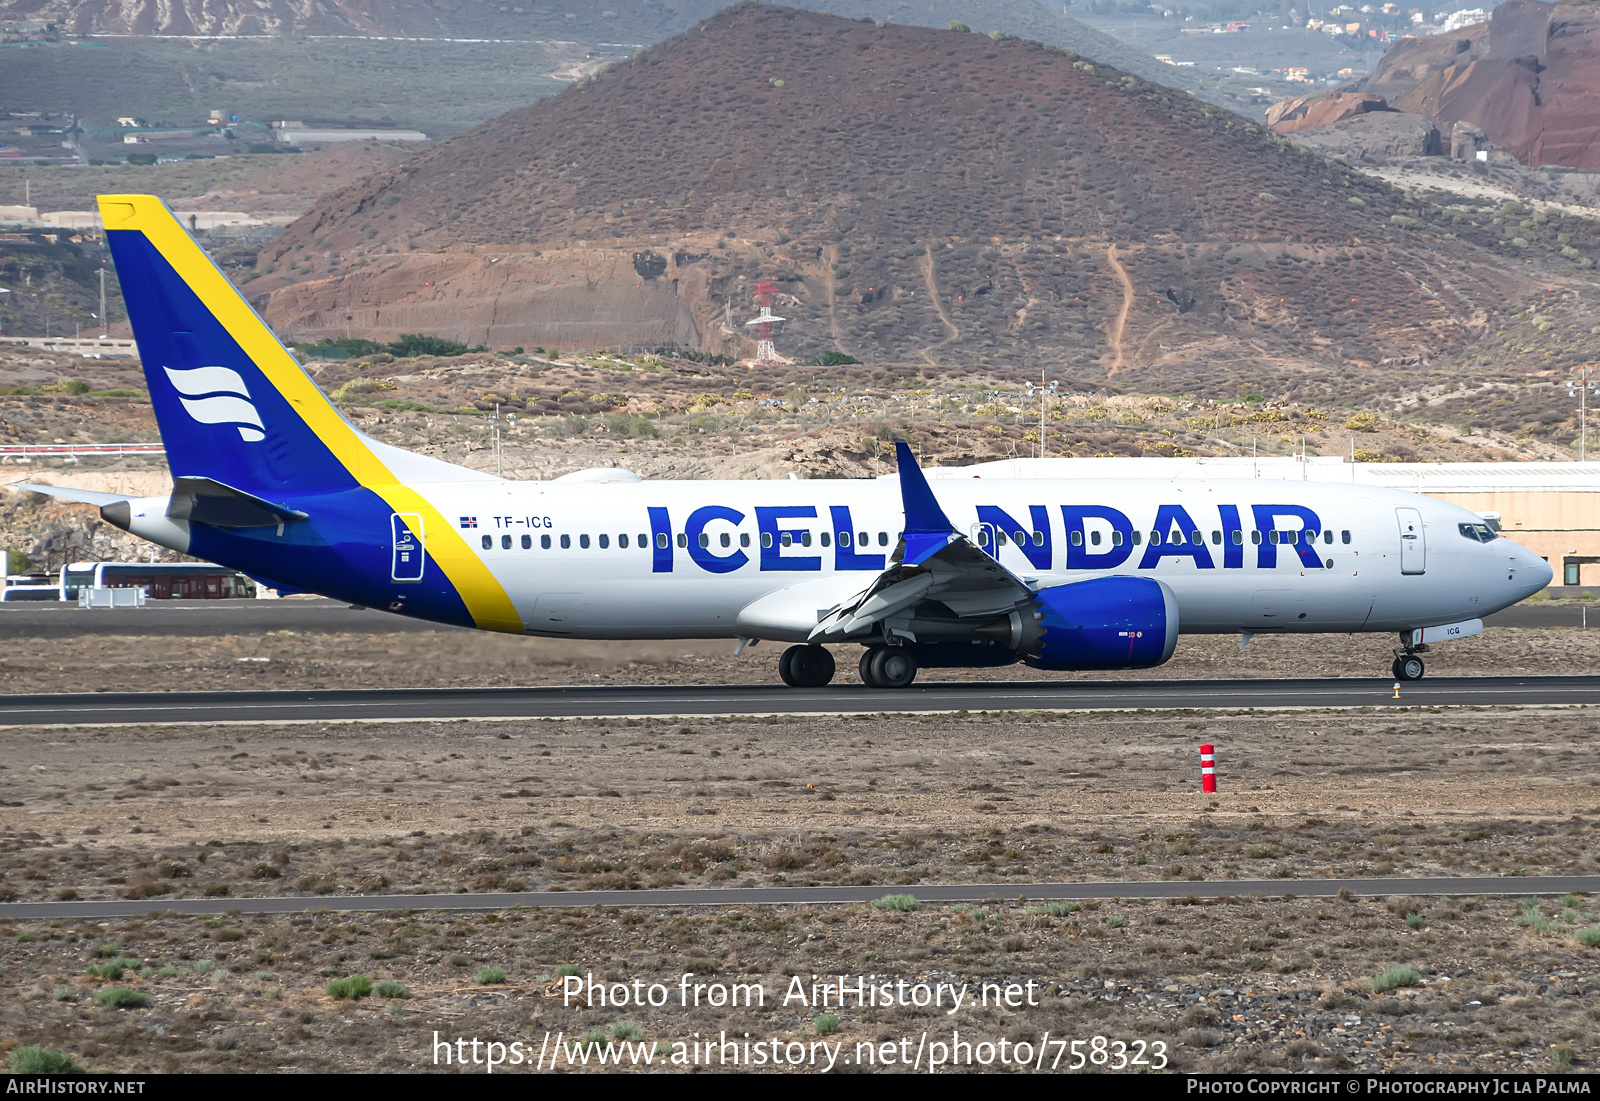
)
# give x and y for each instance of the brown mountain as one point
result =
(920, 196)
(1529, 78)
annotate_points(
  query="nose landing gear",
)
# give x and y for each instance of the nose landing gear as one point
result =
(1408, 667)
(806, 666)
(888, 667)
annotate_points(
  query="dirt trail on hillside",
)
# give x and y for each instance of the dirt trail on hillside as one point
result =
(1117, 326)
(930, 276)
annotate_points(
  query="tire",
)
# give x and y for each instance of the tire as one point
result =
(786, 667)
(893, 667)
(810, 666)
(1409, 667)
(867, 677)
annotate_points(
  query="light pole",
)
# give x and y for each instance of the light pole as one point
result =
(1581, 389)
(1044, 391)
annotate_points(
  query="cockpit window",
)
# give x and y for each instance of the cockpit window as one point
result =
(1481, 533)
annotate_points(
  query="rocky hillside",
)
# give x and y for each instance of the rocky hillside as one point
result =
(920, 196)
(1529, 78)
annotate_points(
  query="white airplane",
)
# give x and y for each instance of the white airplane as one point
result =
(1066, 574)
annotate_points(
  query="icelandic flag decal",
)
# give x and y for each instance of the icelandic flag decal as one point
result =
(469, 521)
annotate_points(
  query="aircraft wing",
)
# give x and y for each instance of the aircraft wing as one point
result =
(934, 562)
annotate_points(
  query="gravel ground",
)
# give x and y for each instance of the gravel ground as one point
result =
(419, 659)
(1245, 984)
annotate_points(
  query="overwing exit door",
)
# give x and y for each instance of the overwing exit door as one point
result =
(1413, 547)
(407, 562)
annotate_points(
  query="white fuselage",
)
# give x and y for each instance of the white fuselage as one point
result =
(570, 554)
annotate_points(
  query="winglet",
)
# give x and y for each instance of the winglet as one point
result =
(928, 530)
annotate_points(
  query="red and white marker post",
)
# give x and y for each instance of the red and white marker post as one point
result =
(1208, 768)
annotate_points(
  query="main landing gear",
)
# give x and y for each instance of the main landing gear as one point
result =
(888, 667)
(806, 666)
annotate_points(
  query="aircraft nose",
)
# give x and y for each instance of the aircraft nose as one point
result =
(1532, 572)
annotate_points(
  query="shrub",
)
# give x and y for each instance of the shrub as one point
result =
(122, 998)
(388, 988)
(1062, 909)
(1590, 937)
(1116, 921)
(828, 1022)
(896, 902)
(1336, 999)
(1391, 977)
(959, 27)
(489, 976)
(1414, 920)
(830, 359)
(626, 1030)
(592, 1039)
(1561, 1056)
(61, 993)
(1405, 221)
(352, 987)
(566, 970)
(37, 1059)
(1362, 422)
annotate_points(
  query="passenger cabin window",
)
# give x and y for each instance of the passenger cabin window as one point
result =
(883, 539)
(1038, 538)
(727, 540)
(1155, 538)
(1478, 533)
(661, 540)
(1255, 537)
(1021, 538)
(505, 542)
(527, 542)
(622, 542)
(766, 540)
(1116, 538)
(744, 538)
(1216, 538)
(705, 540)
(1094, 537)
(1077, 538)
(787, 539)
(1344, 537)
(683, 540)
(983, 537)
(999, 538)
(864, 539)
(488, 542)
(583, 541)
(825, 537)
(605, 541)
(1138, 535)
(544, 542)
(566, 542)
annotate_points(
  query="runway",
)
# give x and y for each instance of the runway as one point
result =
(436, 704)
(1520, 886)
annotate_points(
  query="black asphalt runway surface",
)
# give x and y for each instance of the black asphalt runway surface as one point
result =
(207, 618)
(1521, 886)
(437, 704)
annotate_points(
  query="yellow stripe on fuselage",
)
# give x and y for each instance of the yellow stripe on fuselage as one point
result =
(486, 599)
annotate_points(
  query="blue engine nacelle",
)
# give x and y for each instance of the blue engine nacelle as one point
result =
(1103, 623)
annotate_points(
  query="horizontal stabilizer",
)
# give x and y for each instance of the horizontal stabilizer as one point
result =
(205, 501)
(87, 496)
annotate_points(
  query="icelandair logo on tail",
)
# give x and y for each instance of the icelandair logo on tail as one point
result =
(217, 395)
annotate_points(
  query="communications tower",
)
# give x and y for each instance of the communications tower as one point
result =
(766, 353)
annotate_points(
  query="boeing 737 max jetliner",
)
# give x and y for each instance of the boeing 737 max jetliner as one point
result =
(1068, 574)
